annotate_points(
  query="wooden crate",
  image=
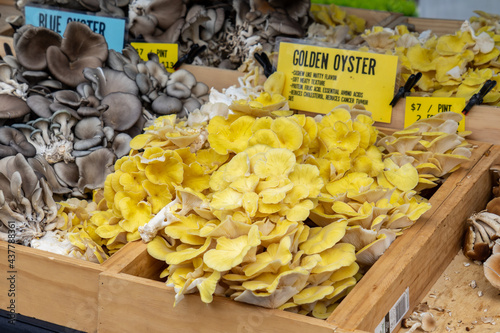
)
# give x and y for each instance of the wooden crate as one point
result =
(131, 293)
(51, 287)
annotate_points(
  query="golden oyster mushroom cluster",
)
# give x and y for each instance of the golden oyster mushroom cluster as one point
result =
(432, 146)
(279, 212)
(453, 65)
(332, 24)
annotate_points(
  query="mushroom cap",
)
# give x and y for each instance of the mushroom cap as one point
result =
(66, 173)
(123, 112)
(493, 206)
(16, 141)
(121, 144)
(39, 105)
(67, 71)
(81, 42)
(19, 163)
(166, 11)
(106, 81)
(87, 128)
(183, 76)
(80, 48)
(492, 270)
(31, 43)
(166, 105)
(12, 107)
(68, 97)
(56, 107)
(94, 168)
(178, 90)
(40, 165)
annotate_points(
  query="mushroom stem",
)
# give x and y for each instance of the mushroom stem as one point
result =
(492, 220)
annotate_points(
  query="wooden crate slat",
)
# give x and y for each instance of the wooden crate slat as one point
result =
(128, 301)
(52, 287)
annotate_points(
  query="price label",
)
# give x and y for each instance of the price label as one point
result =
(317, 79)
(167, 52)
(425, 107)
(112, 28)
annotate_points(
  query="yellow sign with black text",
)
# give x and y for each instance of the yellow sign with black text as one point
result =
(318, 79)
(425, 107)
(167, 52)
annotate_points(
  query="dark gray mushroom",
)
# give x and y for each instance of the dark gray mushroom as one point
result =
(89, 133)
(178, 90)
(31, 44)
(106, 81)
(79, 49)
(123, 110)
(39, 105)
(68, 97)
(43, 168)
(12, 107)
(94, 168)
(67, 173)
(166, 105)
(13, 141)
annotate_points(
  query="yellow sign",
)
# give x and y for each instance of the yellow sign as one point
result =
(168, 53)
(318, 78)
(425, 107)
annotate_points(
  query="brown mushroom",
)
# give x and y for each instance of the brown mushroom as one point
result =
(492, 270)
(475, 248)
(12, 107)
(166, 11)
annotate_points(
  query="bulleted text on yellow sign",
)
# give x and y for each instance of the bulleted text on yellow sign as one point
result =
(318, 79)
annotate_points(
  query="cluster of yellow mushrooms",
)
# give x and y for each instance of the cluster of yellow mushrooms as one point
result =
(252, 202)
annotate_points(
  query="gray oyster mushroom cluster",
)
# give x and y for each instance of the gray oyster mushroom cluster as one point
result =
(162, 92)
(229, 29)
(79, 114)
(27, 208)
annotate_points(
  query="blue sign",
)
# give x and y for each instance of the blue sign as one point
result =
(112, 28)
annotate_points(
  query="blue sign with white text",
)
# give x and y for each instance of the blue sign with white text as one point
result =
(112, 28)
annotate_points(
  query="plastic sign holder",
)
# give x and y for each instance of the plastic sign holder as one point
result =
(318, 78)
(112, 28)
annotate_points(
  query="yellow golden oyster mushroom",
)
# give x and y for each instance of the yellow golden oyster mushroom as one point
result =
(355, 182)
(229, 135)
(322, 238)
(275, 83)
(404, 177)
(229, 253)
(158, 248)
(275, 256)
(184, 253)
(454, 44)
